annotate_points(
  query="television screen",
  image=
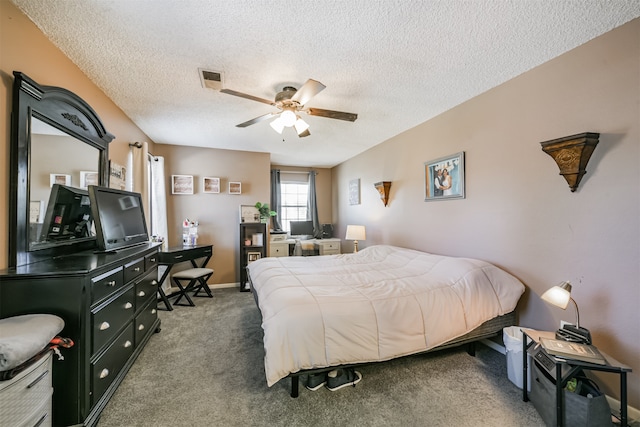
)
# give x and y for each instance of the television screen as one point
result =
(301, 228)
(119, 218)
(68, 216)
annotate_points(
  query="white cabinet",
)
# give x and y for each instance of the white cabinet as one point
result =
(279, 248)
(26, 399)
(328, 246)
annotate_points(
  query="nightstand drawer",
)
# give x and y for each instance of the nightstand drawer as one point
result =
(278, 249)
(328, 247)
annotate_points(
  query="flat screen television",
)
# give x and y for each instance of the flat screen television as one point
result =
(119, 218)
(68, 218)
(301, 228)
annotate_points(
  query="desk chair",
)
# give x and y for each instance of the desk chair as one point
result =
(197, 278)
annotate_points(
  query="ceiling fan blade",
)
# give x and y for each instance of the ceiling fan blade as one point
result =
(305, 133)
(350, 117)
(256, 120)
(310, 89)
(244, 95)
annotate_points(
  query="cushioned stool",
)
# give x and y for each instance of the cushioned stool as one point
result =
(197, 278)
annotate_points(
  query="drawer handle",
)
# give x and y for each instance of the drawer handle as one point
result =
(104, 326)
(178, 256)
(154, 282)
(104, 373)
(136, 269)
(152, 259)
(153, 311)
(41, 420)
(127, 344)
(141, 294)
(111, 283)
(127, 306)
(37, 380)
(141, 327)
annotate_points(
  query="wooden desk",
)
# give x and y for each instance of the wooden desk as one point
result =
(567, 368)
(178, 254)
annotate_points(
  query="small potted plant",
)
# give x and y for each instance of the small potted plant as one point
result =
(265, 212)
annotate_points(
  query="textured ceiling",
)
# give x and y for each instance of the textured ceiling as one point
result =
(396, 63)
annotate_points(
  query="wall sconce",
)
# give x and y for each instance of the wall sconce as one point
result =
(572, 153)
(383, 188)
(355, 233)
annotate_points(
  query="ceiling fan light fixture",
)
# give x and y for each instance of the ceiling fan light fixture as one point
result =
(288, 118)
(277, 125)
(301, 126)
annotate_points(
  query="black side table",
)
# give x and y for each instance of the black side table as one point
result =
(567, 368)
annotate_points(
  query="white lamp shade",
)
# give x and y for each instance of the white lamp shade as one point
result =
(288, 118)
(277, 125)
(558, 295)
(356, 232)
(301, 126)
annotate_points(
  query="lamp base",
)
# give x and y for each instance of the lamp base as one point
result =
(574, 334)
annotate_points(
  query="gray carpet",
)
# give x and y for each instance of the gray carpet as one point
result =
(205, 368)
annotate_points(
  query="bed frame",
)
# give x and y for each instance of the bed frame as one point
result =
(488, 329)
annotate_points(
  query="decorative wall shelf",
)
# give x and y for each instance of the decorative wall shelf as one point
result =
(572, 153)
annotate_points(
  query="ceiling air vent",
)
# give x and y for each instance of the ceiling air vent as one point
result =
(210, 79)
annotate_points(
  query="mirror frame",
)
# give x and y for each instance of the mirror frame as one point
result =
(67, 112)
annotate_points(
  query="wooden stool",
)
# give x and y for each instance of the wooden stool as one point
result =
(197, 278)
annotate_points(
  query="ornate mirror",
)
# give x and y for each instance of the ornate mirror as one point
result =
(57, 141)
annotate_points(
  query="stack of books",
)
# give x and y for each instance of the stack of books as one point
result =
(573, 350)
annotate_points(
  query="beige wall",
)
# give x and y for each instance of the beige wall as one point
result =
(519, 213)
(24, 48)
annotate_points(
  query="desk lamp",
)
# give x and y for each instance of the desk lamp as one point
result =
(560, 295)
(355, 233)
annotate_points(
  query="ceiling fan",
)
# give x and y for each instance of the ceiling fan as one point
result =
(290, 102)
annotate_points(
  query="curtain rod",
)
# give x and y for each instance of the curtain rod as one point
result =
(138, 145)
(304, 172)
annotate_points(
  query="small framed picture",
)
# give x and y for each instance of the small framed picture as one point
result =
(88, 178)
(235, 188)
(253, 256)
(210, 185)
(354, 191)
(59, 178)
(444, 178)
(249, 213)
(181, 184)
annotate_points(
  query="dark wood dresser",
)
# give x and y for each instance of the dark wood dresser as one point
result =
(109, 305)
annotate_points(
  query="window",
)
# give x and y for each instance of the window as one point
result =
(294, 197)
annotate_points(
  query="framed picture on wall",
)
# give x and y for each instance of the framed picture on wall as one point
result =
(181, 184)
(88, 178)
(210, 185)
(235, 188)
(59, 178)
(354, 191)
(444, 178)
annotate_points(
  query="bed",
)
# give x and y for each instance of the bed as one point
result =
(381, 303)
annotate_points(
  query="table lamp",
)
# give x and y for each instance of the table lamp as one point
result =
(355, 233)
(560, 295)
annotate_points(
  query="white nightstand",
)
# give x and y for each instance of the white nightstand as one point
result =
(328, 246)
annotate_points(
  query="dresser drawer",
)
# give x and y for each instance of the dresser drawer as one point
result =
(146, 288)
(109, 318)
(133, 269)
(41, 416)
(106, 284)
(106, 368)
(278, 249)
(328, 248)
(150, 261)
(22, 398)
(145, 320)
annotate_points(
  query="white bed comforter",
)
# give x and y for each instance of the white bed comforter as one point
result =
(381, 303)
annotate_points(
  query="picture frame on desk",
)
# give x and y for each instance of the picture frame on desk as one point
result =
(249, 213)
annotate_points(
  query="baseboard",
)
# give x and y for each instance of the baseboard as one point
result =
(224, 285)
(633, 414)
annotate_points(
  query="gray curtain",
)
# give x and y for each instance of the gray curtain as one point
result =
(276, 198)
(313, 206)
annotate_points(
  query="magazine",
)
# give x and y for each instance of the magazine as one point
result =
(573, 350)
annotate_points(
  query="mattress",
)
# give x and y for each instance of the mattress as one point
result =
(378, 304)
